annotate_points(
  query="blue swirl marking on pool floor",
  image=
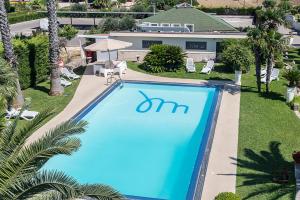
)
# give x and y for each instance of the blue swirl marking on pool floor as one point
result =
(148, 103)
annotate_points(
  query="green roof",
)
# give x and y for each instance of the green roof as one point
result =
(202, 21)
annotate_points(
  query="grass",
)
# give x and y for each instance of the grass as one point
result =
(40, 100)
(268, 134)
(219, 73)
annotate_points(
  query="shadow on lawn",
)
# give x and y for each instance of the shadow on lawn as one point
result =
(269, 170)
(272, 95)
(42, 89)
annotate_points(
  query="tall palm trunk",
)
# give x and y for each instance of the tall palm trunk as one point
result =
(270, 59)
(9, 51)
(55, 85)
(258, 68)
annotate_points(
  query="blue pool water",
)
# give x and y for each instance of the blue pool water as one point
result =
(144, 140)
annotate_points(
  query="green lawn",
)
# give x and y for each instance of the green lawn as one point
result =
(40, 100)
(268, 134)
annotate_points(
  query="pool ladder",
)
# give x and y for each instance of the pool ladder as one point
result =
(111, 77)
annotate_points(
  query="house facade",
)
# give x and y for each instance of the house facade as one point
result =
(198, 33)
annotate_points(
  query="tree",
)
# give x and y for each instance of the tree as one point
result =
(275, 43)
(256, 38)
(110, 24)
(67, 33)
(269, 18)
(9, 51)
(127, 23)
(238, 57)
(55, 85)
(21, 162)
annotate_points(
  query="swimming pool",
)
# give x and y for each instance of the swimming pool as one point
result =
(147, 140)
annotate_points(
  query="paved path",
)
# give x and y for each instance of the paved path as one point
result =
(226, 134)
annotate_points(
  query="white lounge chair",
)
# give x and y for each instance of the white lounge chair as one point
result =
(64, 82)
(190, 65)
(120, 67)
(208, 67)
(69, 74)
(274, 76)
(25, 114)
(107, 69)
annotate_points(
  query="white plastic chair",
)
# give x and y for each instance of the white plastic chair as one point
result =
(190, 65)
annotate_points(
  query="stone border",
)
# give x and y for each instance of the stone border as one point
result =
(221, 173)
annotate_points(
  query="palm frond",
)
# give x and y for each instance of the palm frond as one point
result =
(101, 192)
(31, 186)
(67, 129)
(14, 139)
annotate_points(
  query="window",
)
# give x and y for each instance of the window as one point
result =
(165, 25)
(218, 47)
(190, 27)
(196, 45)
(147, 43)
(176, 25)
(154, 24)
(146, 24)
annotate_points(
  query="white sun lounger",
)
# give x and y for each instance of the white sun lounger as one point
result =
(208, 67)
(69, 74)
(274, 76)
(25, 114)
(64, 82)
(190, 65)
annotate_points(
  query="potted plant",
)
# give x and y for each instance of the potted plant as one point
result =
(293, 76)
(238, 76)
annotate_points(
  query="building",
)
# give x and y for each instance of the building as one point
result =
(196, 32)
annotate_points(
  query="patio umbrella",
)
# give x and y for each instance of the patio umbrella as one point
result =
(108, 45)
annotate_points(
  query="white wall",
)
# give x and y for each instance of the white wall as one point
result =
(137, 42)
(136, 49)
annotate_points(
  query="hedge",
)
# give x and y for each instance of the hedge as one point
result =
(38, 58)
(24, 70)
(24, 16)
(22, 54)
(229, 11)
(32, 58)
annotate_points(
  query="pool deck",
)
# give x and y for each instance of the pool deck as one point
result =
(221, 172)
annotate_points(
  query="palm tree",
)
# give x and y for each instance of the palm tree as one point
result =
(269, 18)
(55, 85)
(9, 51)
(21, 161)
(256, 40)
(275, 43)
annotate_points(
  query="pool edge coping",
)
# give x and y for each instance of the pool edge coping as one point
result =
(201, 173)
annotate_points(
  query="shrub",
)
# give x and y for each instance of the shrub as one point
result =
(78, 7)
(293, 76)
(127, 23)
(39, 59)
(238, 57)
(68, 32)
(227, 196)
(24, 16)
(22, 56)
(110, 24)
(164, 58)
